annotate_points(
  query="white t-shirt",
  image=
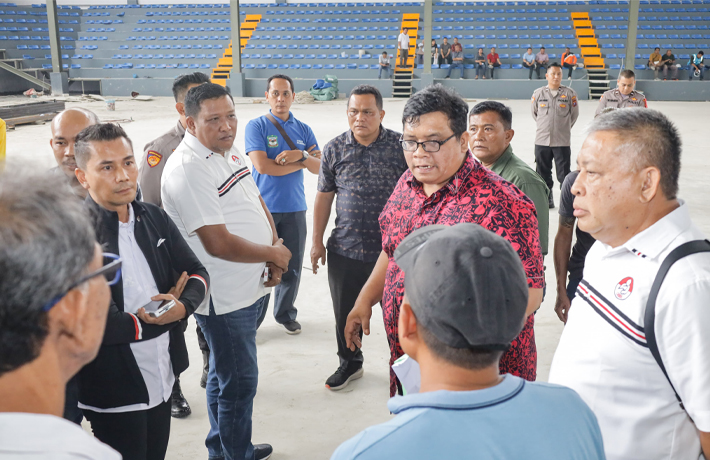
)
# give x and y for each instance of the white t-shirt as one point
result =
(403, 40)
(199, 188)
(46, 437)
(152, 356)
(603, 354)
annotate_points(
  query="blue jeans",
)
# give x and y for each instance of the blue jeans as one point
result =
(386, 70)
(291, 227)
(455, 65)
(480, 70)
(232, 380)
(691, 70)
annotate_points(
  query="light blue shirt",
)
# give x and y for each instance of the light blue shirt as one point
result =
(529, 57)
(513, 420)
(280, 193)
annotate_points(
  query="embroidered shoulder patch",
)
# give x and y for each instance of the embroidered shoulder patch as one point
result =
(153, 158)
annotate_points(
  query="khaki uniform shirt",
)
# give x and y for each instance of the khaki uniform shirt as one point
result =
(157, 153)
(614, 98)
(555, 116)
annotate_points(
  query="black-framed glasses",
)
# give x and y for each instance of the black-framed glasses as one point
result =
(428, 146)
(111, 270)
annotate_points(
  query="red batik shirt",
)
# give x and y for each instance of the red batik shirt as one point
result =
(475, 195)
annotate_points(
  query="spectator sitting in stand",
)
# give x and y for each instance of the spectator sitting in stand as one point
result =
(569, 61)
(541, 61)
(384, 65)
(457, 54)
(654, 62)
(420, 54)
(445, 53)
(668, 61)
(697, 66)
(493, 61)
(529, 62)
(480, 63)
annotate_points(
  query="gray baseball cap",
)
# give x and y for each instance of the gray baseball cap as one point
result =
(465, 284)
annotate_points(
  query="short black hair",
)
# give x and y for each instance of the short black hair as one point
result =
(651, 137)
(542, 47)
(282, 77)
(554, 64)
(467, 358)
(506, 116)
(656, 48)
(367, 89)
(627, 73)
(437, 98)
(183, 81)
(384, 52)
(194, 97)
(700, 52)
(101, 132)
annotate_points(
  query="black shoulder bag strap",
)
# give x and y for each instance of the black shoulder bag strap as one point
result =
(684, 250)
(282, 132)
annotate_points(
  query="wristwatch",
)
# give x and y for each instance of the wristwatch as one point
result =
(305, 156)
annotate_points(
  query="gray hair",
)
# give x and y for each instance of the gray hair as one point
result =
(46, 244)
(649, 138)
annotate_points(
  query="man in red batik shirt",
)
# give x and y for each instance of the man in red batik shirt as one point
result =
(445, 185)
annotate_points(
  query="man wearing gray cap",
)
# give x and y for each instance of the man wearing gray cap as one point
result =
(465, 296)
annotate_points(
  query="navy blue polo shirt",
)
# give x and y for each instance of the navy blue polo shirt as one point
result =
(280, 193)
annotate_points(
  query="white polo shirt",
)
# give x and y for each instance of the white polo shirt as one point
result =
(41, 437)
(199, 188)
(603, 354)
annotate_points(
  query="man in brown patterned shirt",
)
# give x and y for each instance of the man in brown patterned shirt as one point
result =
(362, 166)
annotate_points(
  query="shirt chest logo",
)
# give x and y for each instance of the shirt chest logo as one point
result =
(237, 160)
(272, 141)
(624, 288)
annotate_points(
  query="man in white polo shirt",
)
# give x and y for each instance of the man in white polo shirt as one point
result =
(209, 193)
(625, 197)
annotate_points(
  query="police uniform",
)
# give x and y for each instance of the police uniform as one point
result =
(613, 98)
(157, 153)
(555, 115)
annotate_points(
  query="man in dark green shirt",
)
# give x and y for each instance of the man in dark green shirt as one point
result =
(490, 135)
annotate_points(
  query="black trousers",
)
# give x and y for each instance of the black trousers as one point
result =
(570, 67)
(138, 435)
(543, 159)
(346, 278)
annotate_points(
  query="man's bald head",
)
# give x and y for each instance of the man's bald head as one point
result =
(65, 126)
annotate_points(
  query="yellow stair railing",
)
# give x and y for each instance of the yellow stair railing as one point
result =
(220, 74)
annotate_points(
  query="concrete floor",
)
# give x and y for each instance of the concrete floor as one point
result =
(293, 411)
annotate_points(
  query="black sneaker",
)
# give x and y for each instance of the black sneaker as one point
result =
(292, 327)
(342, 378)
(262, 451)
(551, 201)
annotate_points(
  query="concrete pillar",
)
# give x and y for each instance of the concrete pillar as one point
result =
(427, 36)
(236, 81)
(237, 84)
(59, 79)
(630, 61)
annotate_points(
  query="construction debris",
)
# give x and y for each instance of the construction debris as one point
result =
(304, 97)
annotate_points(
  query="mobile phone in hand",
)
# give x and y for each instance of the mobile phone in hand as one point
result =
(163, 308)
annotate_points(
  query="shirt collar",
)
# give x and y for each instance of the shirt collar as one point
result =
(656, 238)
(510, 387)
(197, 147)
(290, 117)
(456, 182)
(131, 219)
(179, 130)
(350, 137)
(502, 162)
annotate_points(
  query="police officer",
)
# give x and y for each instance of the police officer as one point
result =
(157, 153)
(554, 108)
(624, 95)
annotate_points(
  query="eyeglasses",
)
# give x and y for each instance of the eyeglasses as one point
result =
(428, 146)
(111, 270)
